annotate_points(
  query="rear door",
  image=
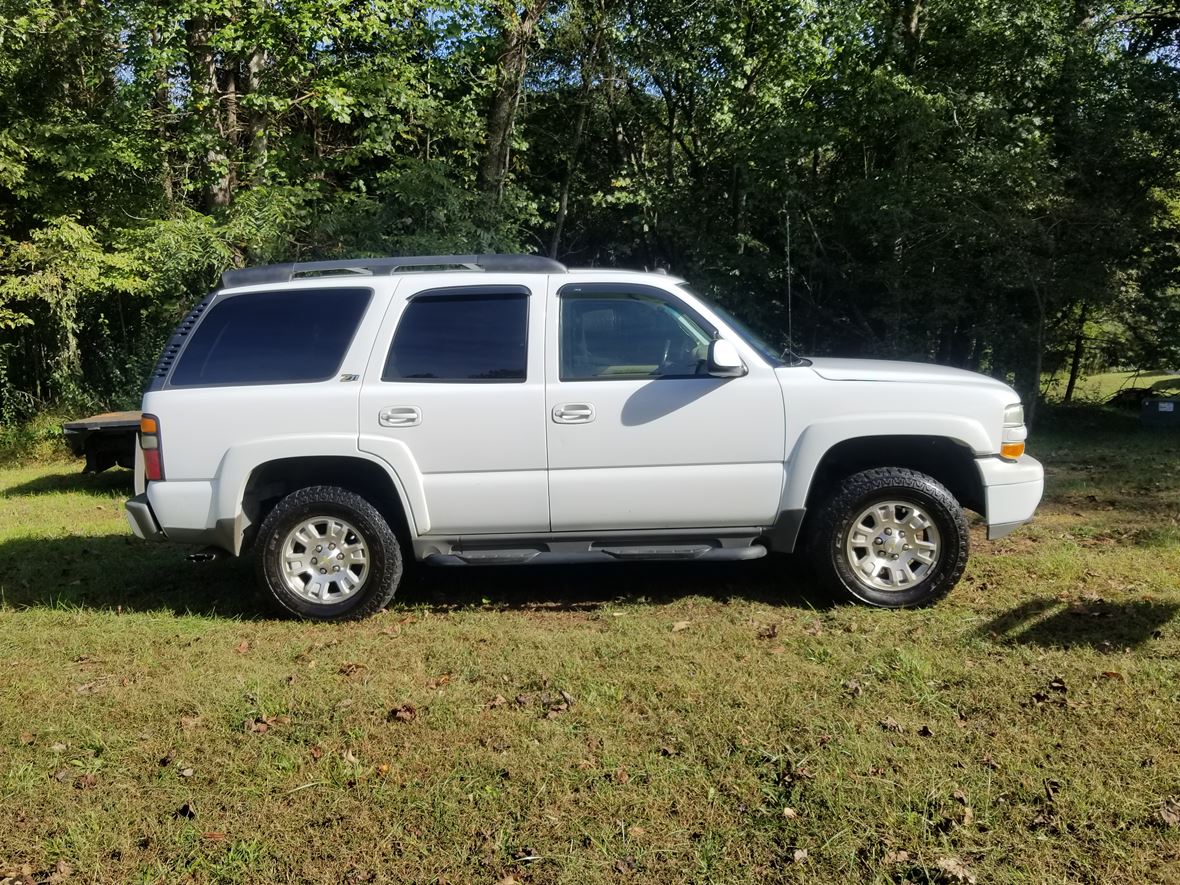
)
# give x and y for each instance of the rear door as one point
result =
(639, 435)
(457, 380)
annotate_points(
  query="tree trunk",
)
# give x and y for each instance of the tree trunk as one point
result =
(206, 89)
(575, 147)
(1075, 364)
(258, 138)
(517, 33)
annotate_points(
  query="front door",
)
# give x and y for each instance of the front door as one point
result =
(639, 436)
(455, 393)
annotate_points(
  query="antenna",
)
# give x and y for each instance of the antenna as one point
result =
(790, 318)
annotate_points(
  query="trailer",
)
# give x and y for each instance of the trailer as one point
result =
(104, 440)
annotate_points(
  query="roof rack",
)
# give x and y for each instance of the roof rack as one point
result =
(284, 273)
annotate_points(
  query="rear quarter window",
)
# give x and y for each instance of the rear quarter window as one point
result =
(287, 337)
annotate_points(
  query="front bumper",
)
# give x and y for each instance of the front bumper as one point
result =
(1012, 490)
(142, 520)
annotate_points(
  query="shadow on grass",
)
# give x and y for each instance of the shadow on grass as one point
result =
(1101, 625)
(105, 484)
(119, 571)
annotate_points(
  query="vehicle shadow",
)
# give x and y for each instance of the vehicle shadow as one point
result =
(120, 572)
(1099, 624)
(115, 481)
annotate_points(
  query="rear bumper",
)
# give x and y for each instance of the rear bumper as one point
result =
(1012, 490)
(142, 520)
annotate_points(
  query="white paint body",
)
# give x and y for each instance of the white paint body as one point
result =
(483, 459)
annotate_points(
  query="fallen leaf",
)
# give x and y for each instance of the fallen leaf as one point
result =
(190, 721)
(680, 625)
(438, 682)
(61, 774)
(814, 629)
(404, 713)
(925, 731)
(800, 855)
(959, 796)
(383, 769)
(987, 761)
(507, 880)
(636, 832)
(853, 688)
(213, 836)
(86, 688)
(523, 700)
(185, 772)
(26, 738)
(58, 747)
(567, 697)
(769, 631)
(891, 724)
(1169, 813)
(1058, 684)
(956, 870)
(242, 647)
(62, 870)
(790, 813)
(623, 866)
(894, 857)
(85, 781)
(317, 752)
(351, 669)
(1113, 674)
(350, 757)
(497, 702)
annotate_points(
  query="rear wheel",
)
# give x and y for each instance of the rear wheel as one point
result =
(890, 537)
(326, 553)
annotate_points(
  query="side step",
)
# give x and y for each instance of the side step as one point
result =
(631, 553)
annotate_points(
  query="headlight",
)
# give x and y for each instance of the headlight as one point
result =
(1015, 433)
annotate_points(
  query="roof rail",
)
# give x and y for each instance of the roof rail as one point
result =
(284, 273)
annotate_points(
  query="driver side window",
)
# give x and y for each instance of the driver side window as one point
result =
(628, 333)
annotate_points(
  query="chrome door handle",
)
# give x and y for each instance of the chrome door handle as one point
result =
(573, 413)
(400, 416)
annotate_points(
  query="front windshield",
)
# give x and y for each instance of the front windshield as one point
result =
(768, 353)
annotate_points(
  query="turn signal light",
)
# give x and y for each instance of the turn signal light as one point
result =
(1012, 450)
(149, 442)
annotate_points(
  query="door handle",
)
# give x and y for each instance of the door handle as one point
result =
(400, 416)
(573, 413)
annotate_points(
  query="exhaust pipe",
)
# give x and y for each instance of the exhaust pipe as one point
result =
(209, 554)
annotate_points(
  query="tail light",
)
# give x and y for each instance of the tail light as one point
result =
(149, 441)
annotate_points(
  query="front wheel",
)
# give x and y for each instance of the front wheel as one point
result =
(326, 553)
(890, 537)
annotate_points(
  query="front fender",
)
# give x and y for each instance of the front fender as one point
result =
(819, 437)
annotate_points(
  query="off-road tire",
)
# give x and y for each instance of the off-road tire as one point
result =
(828, 530)
(384, 552)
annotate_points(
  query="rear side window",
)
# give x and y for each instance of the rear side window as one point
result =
(272, 338)
(461, 335)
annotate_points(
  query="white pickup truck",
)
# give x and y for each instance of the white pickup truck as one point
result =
(498, 409)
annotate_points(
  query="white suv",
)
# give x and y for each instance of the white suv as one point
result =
(493, 409)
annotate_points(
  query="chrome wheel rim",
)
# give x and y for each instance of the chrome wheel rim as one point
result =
(325, 560)
(892, 546)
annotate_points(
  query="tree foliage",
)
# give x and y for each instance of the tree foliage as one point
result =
(988, 183)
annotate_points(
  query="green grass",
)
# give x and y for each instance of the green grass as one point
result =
(723, 720)
(1101, 386)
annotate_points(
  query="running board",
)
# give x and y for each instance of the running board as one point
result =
(632, 553)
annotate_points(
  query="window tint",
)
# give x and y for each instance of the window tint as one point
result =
(629, 335)
(272, 337)
(466, 336)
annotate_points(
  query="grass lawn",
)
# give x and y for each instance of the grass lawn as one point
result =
(626, 724)
(1101, 386)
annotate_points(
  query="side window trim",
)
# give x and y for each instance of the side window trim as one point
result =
(460, 293)
(609, 289)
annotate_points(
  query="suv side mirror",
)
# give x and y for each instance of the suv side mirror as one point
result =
(724, 360)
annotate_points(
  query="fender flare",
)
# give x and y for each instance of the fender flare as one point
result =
(817, 440)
